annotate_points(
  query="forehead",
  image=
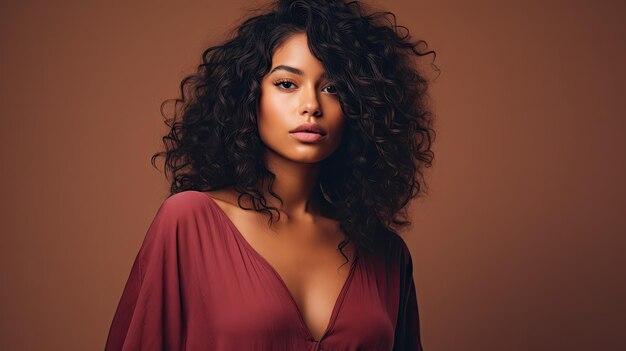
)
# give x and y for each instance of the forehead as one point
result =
(295, 52)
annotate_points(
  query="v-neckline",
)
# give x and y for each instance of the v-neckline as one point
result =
(264, 261)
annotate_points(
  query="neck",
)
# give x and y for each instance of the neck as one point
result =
(296, 184)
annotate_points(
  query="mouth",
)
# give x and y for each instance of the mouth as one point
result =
(307, 137)
(310, 128)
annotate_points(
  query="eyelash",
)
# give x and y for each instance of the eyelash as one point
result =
(280, 81)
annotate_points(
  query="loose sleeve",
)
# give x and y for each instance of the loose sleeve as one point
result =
(407, 335)
(149, 315)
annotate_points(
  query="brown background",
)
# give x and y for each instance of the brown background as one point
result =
(518, 246)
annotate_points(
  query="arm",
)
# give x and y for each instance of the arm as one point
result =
(407, 336)
(149, 314)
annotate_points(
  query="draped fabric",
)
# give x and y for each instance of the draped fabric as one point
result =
(197, 284)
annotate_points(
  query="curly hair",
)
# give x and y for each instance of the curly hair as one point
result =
(213, 141)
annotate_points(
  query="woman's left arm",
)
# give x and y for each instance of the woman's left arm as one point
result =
(407, 336)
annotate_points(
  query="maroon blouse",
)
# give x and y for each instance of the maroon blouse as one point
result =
(197, 284)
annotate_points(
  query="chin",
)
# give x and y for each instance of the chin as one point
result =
(302, 157)
(308, 159)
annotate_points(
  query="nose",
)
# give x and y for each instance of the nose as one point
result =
(309, 103)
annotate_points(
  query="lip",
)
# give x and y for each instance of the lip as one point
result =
(307, 137)
(309, 127)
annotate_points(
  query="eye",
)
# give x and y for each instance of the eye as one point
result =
(287, 85)
(333, 90)
(284, 84)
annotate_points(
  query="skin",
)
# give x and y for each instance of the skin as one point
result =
(302, 246)
(288, 100)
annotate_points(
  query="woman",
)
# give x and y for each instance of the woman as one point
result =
(292, 152)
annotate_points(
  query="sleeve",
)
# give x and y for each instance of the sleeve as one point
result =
(149, 315)
(407, 335)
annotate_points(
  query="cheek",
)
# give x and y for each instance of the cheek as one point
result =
(269, 119)
(341, 123)
(263, 128)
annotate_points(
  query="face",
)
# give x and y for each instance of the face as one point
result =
(293, 93)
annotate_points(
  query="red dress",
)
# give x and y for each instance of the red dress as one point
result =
(197, 284)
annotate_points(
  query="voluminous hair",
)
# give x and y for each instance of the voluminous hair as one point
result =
(213, 141)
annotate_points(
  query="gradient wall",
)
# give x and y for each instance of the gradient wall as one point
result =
(519, 244)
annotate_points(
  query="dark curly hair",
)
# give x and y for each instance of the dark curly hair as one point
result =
(213, 141)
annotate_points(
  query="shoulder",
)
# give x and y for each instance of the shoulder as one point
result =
(399, 250)
(184, 205)
(183, 201)
(185, 216)
(397, 244)
(180, 210)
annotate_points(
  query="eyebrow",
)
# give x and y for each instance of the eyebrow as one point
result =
(293, 70)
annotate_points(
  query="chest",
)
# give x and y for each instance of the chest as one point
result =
(305, 262)
(255, 287)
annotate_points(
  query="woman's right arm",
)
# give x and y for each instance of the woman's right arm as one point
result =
(149, 315)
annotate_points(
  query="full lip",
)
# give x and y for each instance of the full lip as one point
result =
(309, 127)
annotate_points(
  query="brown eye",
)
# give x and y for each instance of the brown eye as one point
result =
(282, 84)
(332, 89)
